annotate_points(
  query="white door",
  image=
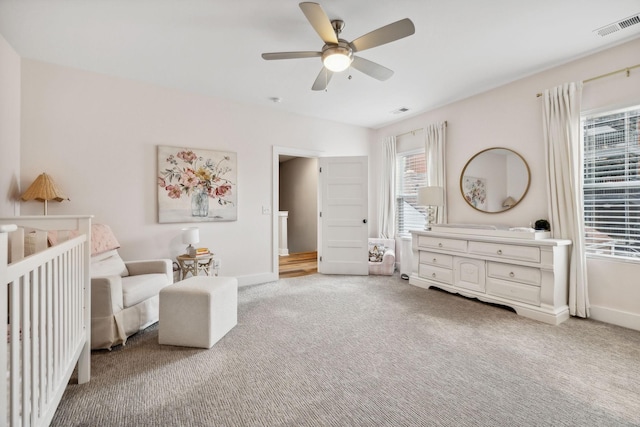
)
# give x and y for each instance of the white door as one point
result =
(344, 227)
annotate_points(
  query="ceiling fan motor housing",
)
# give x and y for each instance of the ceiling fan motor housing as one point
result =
(337, 57)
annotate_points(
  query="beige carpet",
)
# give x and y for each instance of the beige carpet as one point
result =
(368, 351)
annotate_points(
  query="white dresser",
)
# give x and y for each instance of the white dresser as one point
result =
(528, 275)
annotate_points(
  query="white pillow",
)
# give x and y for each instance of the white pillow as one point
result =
(104, 255)
(108, 264)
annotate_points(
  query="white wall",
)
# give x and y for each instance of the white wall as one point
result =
(299, 196)
(97, 137)
(511, 116)
(9, 129)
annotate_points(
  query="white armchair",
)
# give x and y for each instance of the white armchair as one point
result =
(124, 295)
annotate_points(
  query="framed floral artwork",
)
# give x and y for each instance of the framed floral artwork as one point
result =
(475, 191)
(196, 185)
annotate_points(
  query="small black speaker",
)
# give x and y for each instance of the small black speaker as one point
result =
(542, 224)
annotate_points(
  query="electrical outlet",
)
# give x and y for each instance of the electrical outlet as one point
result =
(266, 210)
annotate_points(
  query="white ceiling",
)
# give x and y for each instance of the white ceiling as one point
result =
(213, 47)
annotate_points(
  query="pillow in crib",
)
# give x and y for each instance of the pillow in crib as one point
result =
(59, 236)
(35, 241)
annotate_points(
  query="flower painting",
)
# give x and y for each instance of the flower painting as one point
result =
(196, 185)
(475, 191)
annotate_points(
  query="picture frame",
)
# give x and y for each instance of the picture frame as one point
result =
(475, 191)
(196, 185)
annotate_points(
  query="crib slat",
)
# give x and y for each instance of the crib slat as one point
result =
(43, 334)
(14, 342)
(35, 338)
(25, 297)
(4, 314)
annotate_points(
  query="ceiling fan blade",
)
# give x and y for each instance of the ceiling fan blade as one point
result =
(323, 79)
(372, 69)
(290, 55)
(319, 21)
(384, 35)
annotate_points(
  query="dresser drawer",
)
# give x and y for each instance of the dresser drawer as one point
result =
(440, 260)
(442, 243)
(515, 273)
(514, 291)
(439, 274)
(515, 252)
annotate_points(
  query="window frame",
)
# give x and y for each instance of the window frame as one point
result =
(625, 185)
(406, 232)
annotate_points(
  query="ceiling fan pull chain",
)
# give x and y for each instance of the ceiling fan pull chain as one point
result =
(326, 80)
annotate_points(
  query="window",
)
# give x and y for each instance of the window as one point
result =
(612, 183)
(411, 173)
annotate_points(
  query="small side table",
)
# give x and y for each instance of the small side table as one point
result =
(195, 265)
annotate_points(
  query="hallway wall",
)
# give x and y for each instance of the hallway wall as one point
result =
(299, 196)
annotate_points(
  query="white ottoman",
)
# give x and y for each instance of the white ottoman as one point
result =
(198, 311)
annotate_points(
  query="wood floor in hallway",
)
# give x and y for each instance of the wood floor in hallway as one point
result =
(300, 264)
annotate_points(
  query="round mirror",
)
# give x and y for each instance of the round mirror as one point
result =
(495, 180)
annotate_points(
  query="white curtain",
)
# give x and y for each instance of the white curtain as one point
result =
(563, 150)
(387, 204)
(435, 141)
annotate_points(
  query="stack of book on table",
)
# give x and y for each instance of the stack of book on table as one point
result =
(202, 251)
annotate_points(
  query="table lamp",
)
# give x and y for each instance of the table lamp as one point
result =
(43, 189)
(430, 197)
(190, 236)
(508, 202)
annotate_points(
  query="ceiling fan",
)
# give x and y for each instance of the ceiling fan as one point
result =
(338, 54)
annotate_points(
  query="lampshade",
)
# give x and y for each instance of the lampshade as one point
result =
(508, 202)
(190, 235)
(43, 189)
(337, 59)
(430, 196)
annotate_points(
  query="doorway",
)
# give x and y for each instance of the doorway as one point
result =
(341, 242)
(298, 211)
(295, 184)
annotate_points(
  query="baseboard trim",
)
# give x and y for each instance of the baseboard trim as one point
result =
(615, 317)
(256, 279)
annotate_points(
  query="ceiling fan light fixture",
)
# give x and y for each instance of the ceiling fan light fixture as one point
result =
(337, 58)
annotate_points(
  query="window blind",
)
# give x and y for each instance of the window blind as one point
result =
(411, 173)
(612, 183)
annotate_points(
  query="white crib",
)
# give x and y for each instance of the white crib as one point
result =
(47, 304)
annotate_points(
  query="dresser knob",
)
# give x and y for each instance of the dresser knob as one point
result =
(512, 274)
(433, 275)
(439, 245)
(499, 251)
(435, 260)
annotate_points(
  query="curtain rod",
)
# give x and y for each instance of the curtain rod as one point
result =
(622, 70)
(413, 132)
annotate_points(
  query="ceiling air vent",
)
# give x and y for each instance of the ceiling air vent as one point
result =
(617, 26)
(400, 110)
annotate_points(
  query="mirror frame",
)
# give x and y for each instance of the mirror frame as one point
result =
(484, 151)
